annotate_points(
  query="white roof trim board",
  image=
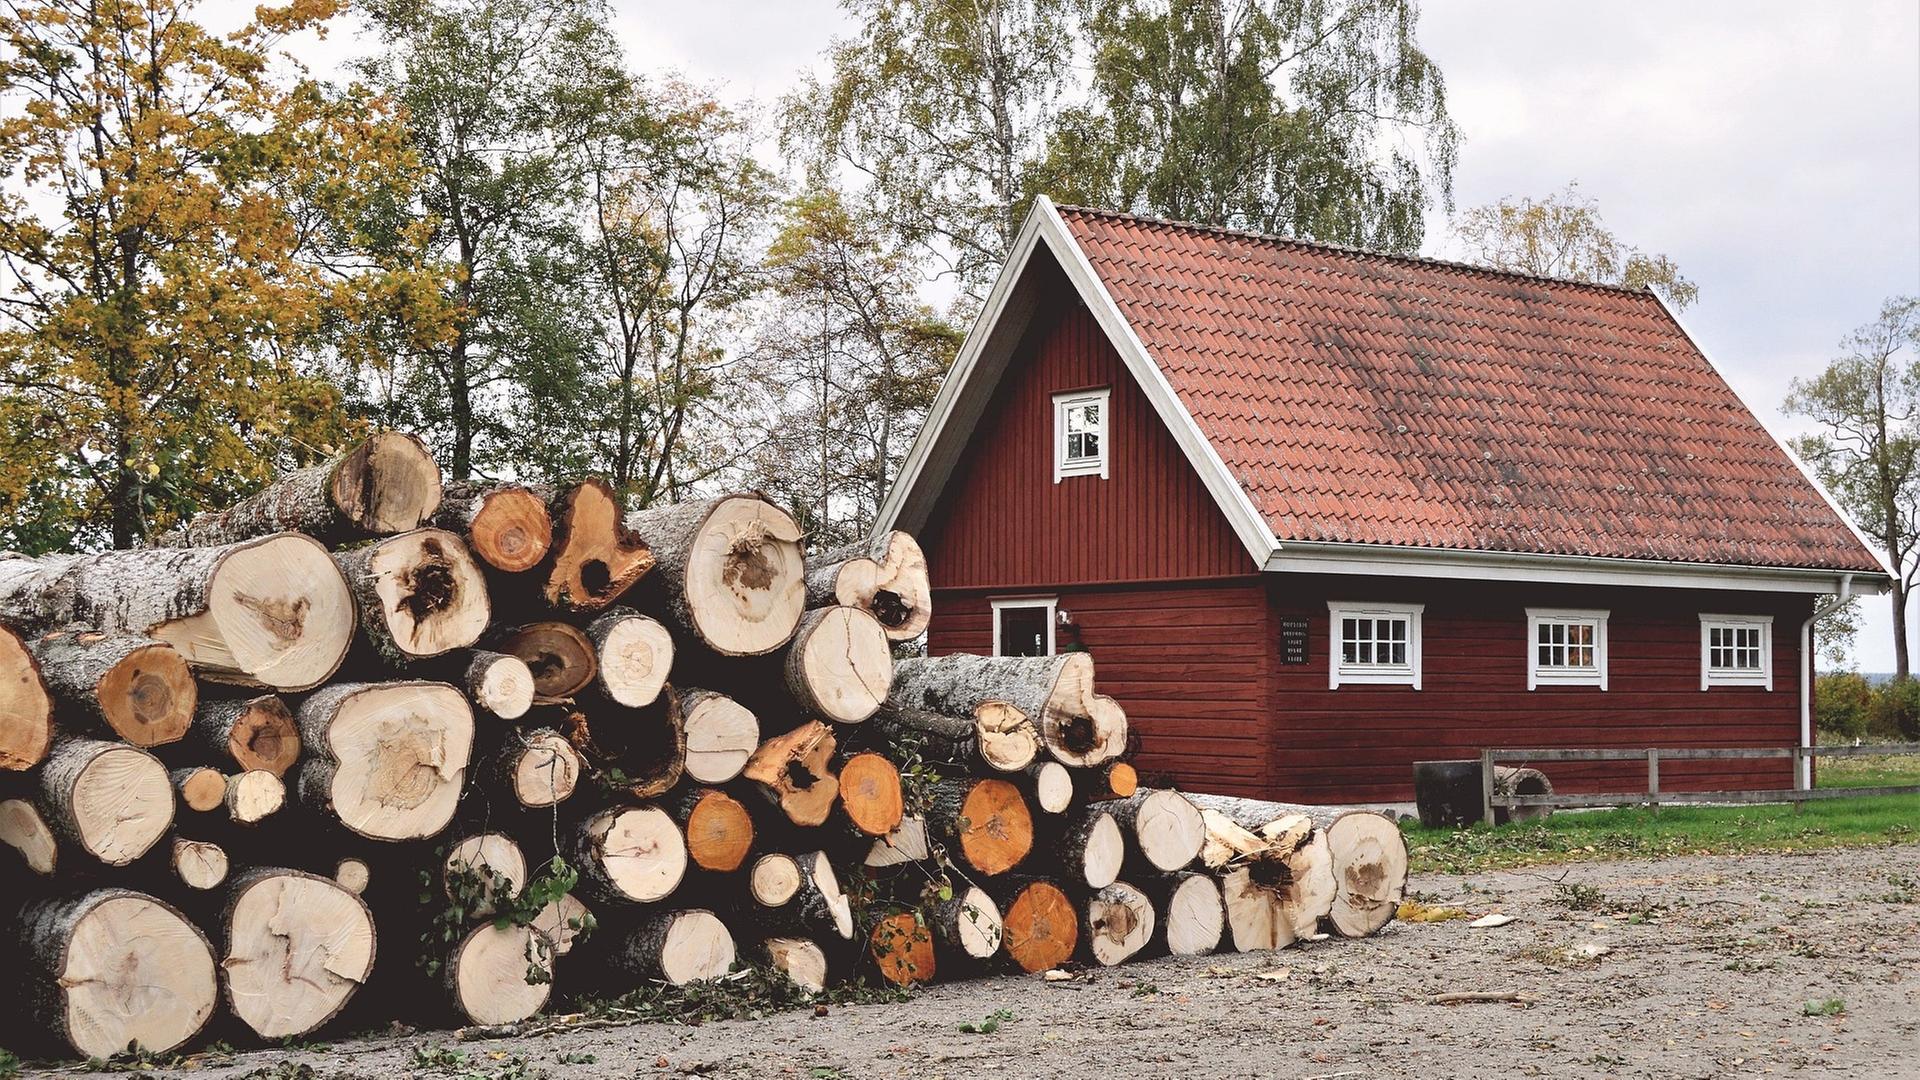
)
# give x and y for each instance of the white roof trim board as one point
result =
(996, 333)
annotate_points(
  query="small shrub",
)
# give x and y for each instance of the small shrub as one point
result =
(9, 1065)
(1895, 712)
(1827, 1007)
(1841, 703)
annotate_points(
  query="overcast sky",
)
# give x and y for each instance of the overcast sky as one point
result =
(1771, 148)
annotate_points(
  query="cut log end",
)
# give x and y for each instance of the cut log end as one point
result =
(977, 929)
(721, 735)
(796, 771)
(1369, 871)
(278, 615)
(26, 832)
(544, 770)
(252, 797)
(719, 832)
(1052, 787)
(563, 921)
(774, 879)
(902, 948)
(387, 484)
(115, 800)
(801, 960)
(596, 557)
(500, 684)
(892, 584)
(744, 582)
(1120, 922)
(297, 948)
(1168, 829)
(426, 594)
(560, 657)
(697, 947)
(1103, 853)
(353, 875)
(870, 793)
(635, 654)
(26, 708)
(1195, 918)
(998, 832)
(258, 734)
(198, 864)
(131, 970)
(201, 789)
(511, 530)
(640, 852)
(488, 974)
(905, 844)
(1007, 739)
(1042, 928)
(841, 664)
(388, 759)
(144, 690)
(492, 862)
(1256, 918)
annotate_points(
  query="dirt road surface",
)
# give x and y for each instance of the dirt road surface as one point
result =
(1797, 964)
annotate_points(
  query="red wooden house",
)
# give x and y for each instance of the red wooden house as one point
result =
(1319, 513)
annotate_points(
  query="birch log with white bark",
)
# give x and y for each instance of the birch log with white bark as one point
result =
(886, 576)
(677, 947)
(26, 707)
(122, 686)
(729, 571)
(386, 760)
(383, 485)
(508, 527)
(1077, 726)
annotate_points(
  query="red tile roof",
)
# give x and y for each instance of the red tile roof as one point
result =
(1379, 399)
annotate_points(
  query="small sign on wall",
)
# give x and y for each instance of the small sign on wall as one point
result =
(1293, 641)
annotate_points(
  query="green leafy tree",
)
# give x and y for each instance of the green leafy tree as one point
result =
(1562, 236)
(1867, 449)
(1289, 116)
(167, 237)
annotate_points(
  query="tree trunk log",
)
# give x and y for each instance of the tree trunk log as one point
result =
(902, 949)
(481, 868)
(905, 844)
(199, 864)
(719, 829)
(353, 875)
(1366, 860)
(596, 557)
(1077, 726)
(629, 854)
(870, 793)
(387, 760)
(109, 800)
(1369, 856)
(996, 737)
(383, 485)
(634, 653)
(25, 831)
(113, 968)
(729, 571)
(26, 707)
(969, 925)
(795, 772)
(801, 960)
(1091, 849)
(498, 974)
(507, 527)
(1052, 787)
(564, 921)
(840, 665)
(119, 685)
(1114, 780)
(1164, 826)
(886, 577)
(254, 733)
(560, 657)
(202, 788)
(1119, 921)
(420, 595)
(271, 612)
(536, 767)
(1192, 915)
(721, 735)
(500, 684)
(252, 797)
(799, 894)
(986, 820)
(679, 947)
(640, 753)
(297, 947)
(1042, 928)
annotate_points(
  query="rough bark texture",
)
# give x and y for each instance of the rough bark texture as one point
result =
(679, 947)
(639, 752)
(1077, 726)
(596, 557)
(419, 594)
(840, 665)
(507, 527)
(387, 760)
(886, 576)
(1164, 827)
(729, 571)
(119, 685)
(109, 800)
(269, 612)
(383, 485)
(629, 854)
(26, 707)
(248, 733)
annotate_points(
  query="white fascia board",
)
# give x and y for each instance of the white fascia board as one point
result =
(1673, 312)
(1247, 521)
(1313, 557)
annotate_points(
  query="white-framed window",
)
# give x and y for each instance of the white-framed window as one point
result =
(1023, 626)
(1566, 648)
(1374, 643)
(1736, 650)
(1080, 434)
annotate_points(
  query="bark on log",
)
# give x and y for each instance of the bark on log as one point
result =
(560, 657)
(252, 797)
(886, 576)
(507, 527)
(113, 968)
(296, 947)
(596, 557)
(270, 612)
(629, 854)
(801, 960)
(420, 595)
(26, 707)
(486, 976)
(996, 738)
(639, 753)
(718, 828)
(250, 734)
(202, 788)
(798, 894)
(120, 686)
(1165, 827)
(729, 571)
(1114, 780)
(968, 925)
(986, 820)
(387, 760)
(199, 864)
(870, 793)
(1118, 923)
(795, 772)
(1192, 915)
(721, 735)
(634, 654)
(109, 800)
(902, 948)
(536, 767)
(840, 665)
(1355, 878)
(26, 832)
(498, 683)
(1077, 726)
(679, 947)
(383, 485)
(1042, 927)
(1092, 849)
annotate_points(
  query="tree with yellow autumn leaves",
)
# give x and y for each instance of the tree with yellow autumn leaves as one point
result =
(183, 229)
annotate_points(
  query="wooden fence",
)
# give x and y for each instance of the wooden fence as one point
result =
(1653, 797)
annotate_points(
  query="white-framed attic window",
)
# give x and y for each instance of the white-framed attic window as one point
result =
(1023, 626)
(1374, 643)
(1080, 433)
(1736, 650)
(1566, 648)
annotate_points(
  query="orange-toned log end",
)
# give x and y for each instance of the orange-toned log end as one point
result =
(148, 697)
(1040, 928)
(902, 948)
(796, 769)
(201, 789)
(870, 794)
(1122, 780)
(558, 655)
(999, 827)
(265, 738)
(596, 557)
(512, 530)
(26, 709)
(719, 832)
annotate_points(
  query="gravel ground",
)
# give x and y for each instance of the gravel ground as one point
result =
(1698, 967)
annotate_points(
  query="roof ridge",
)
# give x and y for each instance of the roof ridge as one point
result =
(1350, 249)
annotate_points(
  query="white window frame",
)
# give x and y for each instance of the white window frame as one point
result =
(1092, 467)
(1339, 673)
(1051, 603)
(1711, 676)
(1539, 675)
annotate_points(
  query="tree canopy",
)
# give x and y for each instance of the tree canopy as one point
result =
(1562, 236)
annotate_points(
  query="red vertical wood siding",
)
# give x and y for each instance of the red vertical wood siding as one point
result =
(1004, 522)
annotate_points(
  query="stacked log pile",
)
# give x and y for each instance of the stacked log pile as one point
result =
(366, 745)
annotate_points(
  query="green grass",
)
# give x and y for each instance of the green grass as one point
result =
(1681, 830)
(1846, 772)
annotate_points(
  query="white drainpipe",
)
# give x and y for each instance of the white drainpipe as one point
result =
(1803, 770)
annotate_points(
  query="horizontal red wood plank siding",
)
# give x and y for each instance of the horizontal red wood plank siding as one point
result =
(1360, 742)
(1186, 660)
(1003, 521)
